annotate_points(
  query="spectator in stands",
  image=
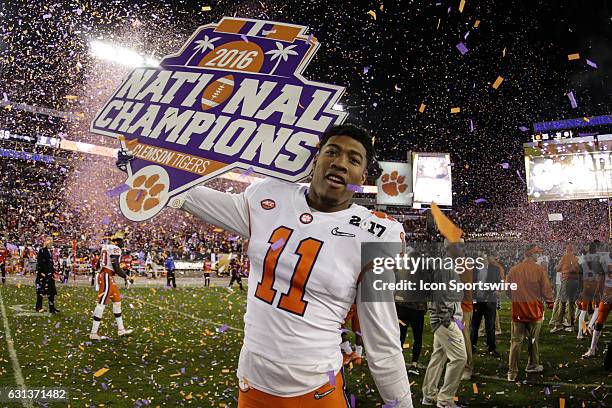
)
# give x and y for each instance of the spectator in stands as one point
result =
(45, 284)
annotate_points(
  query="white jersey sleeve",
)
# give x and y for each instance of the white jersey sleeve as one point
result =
(105, 255)
(381, 335)
(227, 211)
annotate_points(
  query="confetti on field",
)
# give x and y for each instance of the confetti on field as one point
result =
(223, 328)
(572, 57)
(100, 372)
(497, 82)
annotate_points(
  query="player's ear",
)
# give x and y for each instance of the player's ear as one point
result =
(364, 177)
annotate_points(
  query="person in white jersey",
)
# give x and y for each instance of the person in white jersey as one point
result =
(304, 248)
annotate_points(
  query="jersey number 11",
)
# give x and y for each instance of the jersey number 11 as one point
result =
(308, 250)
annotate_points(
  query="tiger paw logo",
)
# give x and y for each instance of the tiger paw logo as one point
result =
(147, 195)
(393, 184)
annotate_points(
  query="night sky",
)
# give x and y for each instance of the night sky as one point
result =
(389, 65)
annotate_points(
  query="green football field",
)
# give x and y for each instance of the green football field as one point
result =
(178, 357)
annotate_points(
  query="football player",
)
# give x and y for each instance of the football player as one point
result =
(304, 249)
(605, 305)
(592, 272)
(107, 289)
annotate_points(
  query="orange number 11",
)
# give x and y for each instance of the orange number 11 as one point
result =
(308, 250)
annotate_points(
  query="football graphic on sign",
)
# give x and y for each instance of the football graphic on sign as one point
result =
(232, 98)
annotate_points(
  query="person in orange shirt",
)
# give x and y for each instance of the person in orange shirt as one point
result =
(605, 305)
(569, 269)
(532, 287)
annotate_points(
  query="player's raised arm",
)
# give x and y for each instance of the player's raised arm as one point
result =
(225, 210)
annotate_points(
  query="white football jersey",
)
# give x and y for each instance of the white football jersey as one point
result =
(303, 279)
(106, 252)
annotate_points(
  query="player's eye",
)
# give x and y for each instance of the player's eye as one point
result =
(331, 152)
(355, 161)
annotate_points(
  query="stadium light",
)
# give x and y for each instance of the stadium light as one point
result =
(121, 55)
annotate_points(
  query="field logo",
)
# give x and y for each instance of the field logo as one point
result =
(233, 97)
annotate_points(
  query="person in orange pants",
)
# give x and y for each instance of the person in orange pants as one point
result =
(330, 395)
(604, 309)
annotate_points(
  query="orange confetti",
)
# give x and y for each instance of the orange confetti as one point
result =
(497, 82)
(561, 402)
(475, 388)
(100, 372)
(461, 6)
(476, 23)
(455, 110)
(372, 13)
(402, 323)
(572, 57)
(446, 227)
(406, 346)
(422, 108)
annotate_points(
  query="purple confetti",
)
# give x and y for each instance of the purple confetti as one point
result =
(572, 99)
(343, 330)
(480, 200)
(366, 69)
(466, 35)
(244, 38)
(117, 191)
(183, 370)
(358, 333)
(104, 386)
(523, 128)
(247, 172)
(139, 194)
(223, 328)
(591, 63)
(521, 177)
(471, 125)
(4, 96)
(391, 404)
(278, 244)
(505, 166)
(46, 16)
(79, 11)
(546, 391)
(460, 324)
(353, 401)
(105, 220)
(354, 188)
(309, 38)
(332, 378)
(462, 48)
(57, 326)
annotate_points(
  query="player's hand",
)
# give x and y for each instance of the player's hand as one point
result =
(123, 158)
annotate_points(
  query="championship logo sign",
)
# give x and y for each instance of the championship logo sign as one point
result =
(233, 97)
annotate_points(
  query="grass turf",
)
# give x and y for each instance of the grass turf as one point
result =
(178, 357)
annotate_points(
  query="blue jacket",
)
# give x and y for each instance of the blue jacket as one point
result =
(170, 263)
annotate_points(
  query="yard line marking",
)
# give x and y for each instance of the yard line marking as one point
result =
(11, 349)
(183, 314)
(566, 384)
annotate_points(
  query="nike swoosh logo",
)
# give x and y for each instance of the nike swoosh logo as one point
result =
(318, 396)
(339, 233)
